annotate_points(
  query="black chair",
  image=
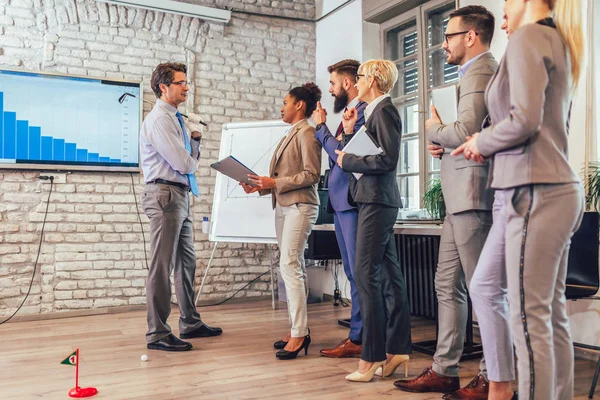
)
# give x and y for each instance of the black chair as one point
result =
(582, 273)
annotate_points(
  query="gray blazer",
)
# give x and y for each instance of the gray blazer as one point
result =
(528, 99)
(464, 182)
(378, 184)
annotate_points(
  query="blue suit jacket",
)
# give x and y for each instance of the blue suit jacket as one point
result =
(338, 179)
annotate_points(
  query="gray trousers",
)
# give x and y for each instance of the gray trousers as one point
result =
(172, 249)
(518, 290)
(381, 285)
(463, 237)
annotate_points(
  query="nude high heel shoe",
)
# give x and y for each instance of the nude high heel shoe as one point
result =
(390, 367)
(367, 376)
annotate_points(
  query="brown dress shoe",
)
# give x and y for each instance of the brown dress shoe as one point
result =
(477, 389)
(429, 381)
(345, 349)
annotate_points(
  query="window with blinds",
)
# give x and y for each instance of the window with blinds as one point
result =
(413, 41)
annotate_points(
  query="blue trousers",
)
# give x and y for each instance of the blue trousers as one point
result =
(345, 232)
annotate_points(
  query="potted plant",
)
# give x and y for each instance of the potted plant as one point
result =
(591, 181)
(433, 200)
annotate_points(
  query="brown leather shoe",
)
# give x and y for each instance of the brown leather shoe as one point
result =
(477, 389)
(345, 349)
(429, 381)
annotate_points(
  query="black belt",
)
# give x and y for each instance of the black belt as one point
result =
(171, 183)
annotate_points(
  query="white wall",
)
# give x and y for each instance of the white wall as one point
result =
(596, 78)
(339, 36)
(323, 7)
(578, 142)
(496, 7)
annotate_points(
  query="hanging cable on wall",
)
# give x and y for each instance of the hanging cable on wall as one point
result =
(51, 178)
(137, 209)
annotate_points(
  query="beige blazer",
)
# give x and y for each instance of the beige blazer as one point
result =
(528, 100)
(464, 182)
(296, 167)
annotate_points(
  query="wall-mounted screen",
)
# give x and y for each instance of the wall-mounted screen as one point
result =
(62, 122)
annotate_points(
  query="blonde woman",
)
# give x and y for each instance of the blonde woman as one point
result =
(541, 201)
(381, 287)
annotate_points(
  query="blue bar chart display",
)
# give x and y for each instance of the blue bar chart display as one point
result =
(61, 120)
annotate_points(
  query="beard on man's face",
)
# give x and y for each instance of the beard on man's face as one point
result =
(340, 101)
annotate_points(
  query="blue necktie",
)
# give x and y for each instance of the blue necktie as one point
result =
(188, 148)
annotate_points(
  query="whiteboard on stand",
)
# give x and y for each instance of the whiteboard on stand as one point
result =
(237, 216)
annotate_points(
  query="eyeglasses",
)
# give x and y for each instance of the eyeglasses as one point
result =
(357, 77)
(181, 83)
(449, 35)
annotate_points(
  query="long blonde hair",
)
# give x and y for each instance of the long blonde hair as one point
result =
(568, 17)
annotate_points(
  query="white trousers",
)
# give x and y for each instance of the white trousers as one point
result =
(292, 226)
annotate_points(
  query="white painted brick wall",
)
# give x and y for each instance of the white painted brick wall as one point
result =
(93, 254)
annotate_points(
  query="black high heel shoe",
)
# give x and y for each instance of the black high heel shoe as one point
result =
(280, 344)
(290, 355)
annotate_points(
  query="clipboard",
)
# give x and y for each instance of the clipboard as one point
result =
(446, 103)
(234, 169)
(361, 144)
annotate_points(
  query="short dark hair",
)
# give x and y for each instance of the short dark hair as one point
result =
(164, 74)
(345, 67)
(479, 19)
(310, 94)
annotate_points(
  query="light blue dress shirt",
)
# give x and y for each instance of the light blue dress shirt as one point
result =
(162, 147)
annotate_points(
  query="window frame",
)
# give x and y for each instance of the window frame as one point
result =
(419, 14)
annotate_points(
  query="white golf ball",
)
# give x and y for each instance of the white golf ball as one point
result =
(144, 357)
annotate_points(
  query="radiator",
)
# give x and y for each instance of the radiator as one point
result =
(418, 256)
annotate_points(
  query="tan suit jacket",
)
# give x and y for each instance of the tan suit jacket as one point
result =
(296, 167)
(464, 182)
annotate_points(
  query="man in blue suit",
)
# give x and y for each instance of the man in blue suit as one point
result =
(342, 79)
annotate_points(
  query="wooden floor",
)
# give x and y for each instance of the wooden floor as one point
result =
(240, 364)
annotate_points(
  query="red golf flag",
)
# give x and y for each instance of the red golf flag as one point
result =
(79, 392)
(71, 359)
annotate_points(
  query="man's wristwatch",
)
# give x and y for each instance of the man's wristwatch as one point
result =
(197, 139)
(319, 126)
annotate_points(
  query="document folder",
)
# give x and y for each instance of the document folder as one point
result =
(234, 169)
(361, 144)
(446, 104)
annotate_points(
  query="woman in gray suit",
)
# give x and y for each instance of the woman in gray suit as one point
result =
(540, 201)
(292, 183)
(381, 287)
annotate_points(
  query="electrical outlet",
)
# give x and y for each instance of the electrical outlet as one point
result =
(58, 177)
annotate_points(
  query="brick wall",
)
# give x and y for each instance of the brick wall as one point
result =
(93, 254)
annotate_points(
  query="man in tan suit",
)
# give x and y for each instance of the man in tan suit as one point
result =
(468, 202)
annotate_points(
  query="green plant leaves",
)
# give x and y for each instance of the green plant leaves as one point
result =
(433, 199)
